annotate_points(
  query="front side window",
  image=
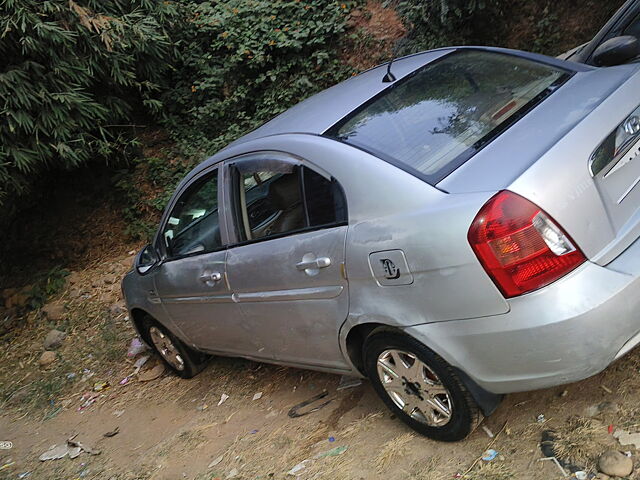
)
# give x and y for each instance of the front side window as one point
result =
(436, 118)
(275, 198)
(193, 225)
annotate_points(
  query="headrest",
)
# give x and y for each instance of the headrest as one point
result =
(284, 192)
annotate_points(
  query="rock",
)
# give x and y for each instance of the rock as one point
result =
(54, 312)
(117, 309)
(128, 262)
(16, 300)
(603, 407)
(615, 464)
(602, 476)
(110, 279)
(73, 278)
(9, 292)
(152, 374)
(54, 339)
(47, 358)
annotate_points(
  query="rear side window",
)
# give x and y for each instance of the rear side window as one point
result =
(275, 198)
(432, 121)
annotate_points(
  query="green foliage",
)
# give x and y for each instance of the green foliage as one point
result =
(441, 23)
(244, 61)
(47, 285)
(72, 73)
(146, 189)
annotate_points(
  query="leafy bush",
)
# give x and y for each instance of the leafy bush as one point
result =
(244, 61)
(451, 22)
(73, 73)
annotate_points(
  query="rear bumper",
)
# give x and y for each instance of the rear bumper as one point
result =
(563, 333)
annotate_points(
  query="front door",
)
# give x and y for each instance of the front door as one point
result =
(192, 280)
(287, 269)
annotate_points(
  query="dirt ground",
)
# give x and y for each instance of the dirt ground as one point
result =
(169, 428)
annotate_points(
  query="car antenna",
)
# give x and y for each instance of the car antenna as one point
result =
(389, 76)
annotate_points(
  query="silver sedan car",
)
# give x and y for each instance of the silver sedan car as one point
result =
(457, 225)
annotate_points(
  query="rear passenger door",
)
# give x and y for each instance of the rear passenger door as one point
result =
(286, 268)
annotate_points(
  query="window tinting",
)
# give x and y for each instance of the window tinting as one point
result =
(193, 224)
(438, 117)
(278, 198)
(325, 201)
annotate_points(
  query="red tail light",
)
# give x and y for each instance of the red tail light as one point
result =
(520, 246)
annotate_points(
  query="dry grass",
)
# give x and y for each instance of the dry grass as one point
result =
(391, 450)
(492, 471)
(578, 441)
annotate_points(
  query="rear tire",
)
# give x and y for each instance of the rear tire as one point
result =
(184, 361)
(419, 387)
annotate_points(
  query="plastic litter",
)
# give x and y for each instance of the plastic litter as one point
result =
(112, 433)
(348, 382)
(6, 465)
(233, 473)
(141, 361)
(24, 475)
(71, 448)
(489, 455)
(253, 432)
(215, 461)
(334, 452)
(257, 396)
(294, 412)
(99, 386)
(136, 347)
(299, 467)
(580, 475)
(555, 460)
(124, 381)
(223, 398)
(488, 432)
(332, 439)
(118, 413)
(541, 418)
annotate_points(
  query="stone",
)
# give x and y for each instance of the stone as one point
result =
(74, 278)
(615, 464)
(601, 476)
(152, 374)
(54, 339)
(54, 312)
(9, 292)
(47, 358)
(117, 309)
(110, 279)
(602, 407)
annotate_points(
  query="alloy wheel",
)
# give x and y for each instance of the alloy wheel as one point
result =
(166, 348)
(414, 387)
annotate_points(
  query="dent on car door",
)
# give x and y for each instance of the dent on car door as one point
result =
(191, 281)
(286, 269)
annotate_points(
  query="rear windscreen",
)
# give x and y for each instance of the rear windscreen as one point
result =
(432, 121)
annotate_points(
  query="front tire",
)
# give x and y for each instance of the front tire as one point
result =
(419, 387)
(184, 361)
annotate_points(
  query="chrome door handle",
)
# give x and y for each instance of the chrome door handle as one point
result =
(211, 277)
(321, 262)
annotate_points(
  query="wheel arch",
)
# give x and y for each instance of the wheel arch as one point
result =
(138, 317)
(487, 401)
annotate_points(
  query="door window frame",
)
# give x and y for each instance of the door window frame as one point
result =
(231, 210)
(159, 241)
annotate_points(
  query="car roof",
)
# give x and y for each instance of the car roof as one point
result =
(318, 113)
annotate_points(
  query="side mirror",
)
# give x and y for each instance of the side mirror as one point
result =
(616, 51)
(147, 259)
